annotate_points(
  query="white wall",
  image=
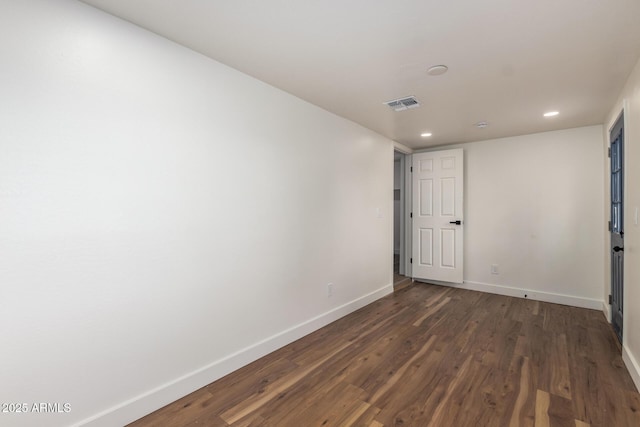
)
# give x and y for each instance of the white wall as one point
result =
(533, 206)
(165, 219)
(629, 99)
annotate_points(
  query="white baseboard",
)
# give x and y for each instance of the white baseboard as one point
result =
(606, 309)
(632, 366)
(574, 301)
(139, 406)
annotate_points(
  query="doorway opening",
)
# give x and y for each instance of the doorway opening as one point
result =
(400, 280)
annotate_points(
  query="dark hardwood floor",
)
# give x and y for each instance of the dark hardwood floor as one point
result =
(430, 356)
(399, 281)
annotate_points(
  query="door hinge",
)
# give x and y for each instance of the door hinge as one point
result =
(609, 152)
(412, 166)
(609, 226)
(410, 260)
(610, 300)
(411, 215)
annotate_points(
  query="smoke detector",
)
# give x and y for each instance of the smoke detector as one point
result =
(402, 104)
(437, 70)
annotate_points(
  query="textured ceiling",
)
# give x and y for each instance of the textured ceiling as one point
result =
(509, 61)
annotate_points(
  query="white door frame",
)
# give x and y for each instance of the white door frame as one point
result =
(408, 223)
(405, 210)
(403, 196)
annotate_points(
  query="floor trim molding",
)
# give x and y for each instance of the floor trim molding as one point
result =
(606, 309)
(509, 291)
(152, 400)
(632, 366)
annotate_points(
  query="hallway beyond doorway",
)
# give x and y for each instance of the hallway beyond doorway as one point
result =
(399, 281)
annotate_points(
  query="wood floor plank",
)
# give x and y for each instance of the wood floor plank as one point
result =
(482, 389)
(185, 411)
(256, 401)
(463, 337)
(560, 411)
(559, 363)
(336, 403)
(622, 407)
(380, 360)
(440, 415)
(439, 293)
(542, 409)
(391, 382)
(367, 418)
(611, 368)
(255, 420)
(521, 415)
(353, 413)
(430, 356)
(415, 401)
(232, 391)
(431, 311)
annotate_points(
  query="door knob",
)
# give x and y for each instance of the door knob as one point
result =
(458, 222)
(618, 249)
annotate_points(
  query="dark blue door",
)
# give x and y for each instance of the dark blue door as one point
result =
(617, 225)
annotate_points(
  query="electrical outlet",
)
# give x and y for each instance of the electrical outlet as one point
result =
(494, 269)
(329, 290)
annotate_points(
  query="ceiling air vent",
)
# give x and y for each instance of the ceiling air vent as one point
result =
(403, 103)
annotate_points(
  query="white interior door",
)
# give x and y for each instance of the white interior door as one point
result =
(438, 197)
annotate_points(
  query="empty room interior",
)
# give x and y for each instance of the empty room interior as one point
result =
(271, 213)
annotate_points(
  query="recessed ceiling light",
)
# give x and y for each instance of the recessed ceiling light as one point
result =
(437, 70)
(551, 114)
(481, 125)
(425, 135)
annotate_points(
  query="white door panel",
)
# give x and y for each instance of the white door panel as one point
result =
(438, 185)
